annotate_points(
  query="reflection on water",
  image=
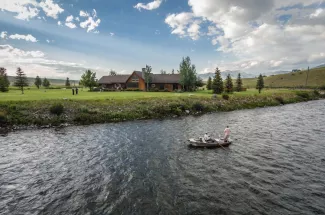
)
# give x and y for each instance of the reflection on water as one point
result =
(275, 166)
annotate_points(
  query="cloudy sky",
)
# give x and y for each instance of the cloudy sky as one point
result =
(61, 38)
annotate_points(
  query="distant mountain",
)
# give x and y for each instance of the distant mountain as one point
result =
(234, 74)
(320, 66)
(52, 81)
(276, 73)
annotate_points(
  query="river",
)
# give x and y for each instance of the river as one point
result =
(276, 165)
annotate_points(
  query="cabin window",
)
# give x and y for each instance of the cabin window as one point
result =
(153, 85)
(135, 78)
(132, 85)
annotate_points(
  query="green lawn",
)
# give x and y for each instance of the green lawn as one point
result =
(34, 94)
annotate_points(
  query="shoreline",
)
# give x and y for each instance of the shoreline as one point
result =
(30, 115)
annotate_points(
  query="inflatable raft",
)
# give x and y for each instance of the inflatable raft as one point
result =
(213, 143)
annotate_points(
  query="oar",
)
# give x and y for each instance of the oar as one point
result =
(220, 144)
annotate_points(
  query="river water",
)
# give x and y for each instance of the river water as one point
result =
(276, 165)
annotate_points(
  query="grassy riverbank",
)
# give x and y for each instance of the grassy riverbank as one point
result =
(123, 106)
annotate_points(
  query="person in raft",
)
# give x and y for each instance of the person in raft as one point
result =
(227, 134)
(206, 138)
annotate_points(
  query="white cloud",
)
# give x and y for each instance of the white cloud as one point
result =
(179, 22)
(23, 37)
(112, 34)
(69, 19)
(48, 41)
(51, 9)
(83, 14)
(259, 33)
(7, 51)
(318, 13)
(77, 19)
(70, 25)
(28, 9)
(3, 35)
(69, 22)
(90, 24)
(59, 23)
(150, 6)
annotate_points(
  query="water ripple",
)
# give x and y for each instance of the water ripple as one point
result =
(275, 166)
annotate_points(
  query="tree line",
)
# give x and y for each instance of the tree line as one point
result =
(21, 81)
(219, 86)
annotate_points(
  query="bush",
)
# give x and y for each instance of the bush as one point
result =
(197, 106)
(304, 95)
(279, 99)
(322, 87)
(166, 90)
(3, 118)
(316, 93)
(57, 109)
(153, 90)
(130, 89)
(225, 97)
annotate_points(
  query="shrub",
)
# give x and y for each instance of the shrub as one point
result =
(3, 117)
(166, 90)
(225, 97)
(153, 90)
(57, 109)
(322, 87)
(316, 93)
(279, 99)
(197, 106)
(304, 95)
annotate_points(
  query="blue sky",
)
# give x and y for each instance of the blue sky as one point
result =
(52, 38)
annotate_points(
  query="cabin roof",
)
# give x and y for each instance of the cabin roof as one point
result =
(119, 79)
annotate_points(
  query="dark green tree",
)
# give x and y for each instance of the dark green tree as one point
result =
(229, 87)
(187, 72)
(163, 72)
(173, 71)
(46, 83)
(199, 82)
(38, 82)
(239, 83)
(67, 83)
(88, 79)
(4, 82)
(21, 80)
(260, 83)
(112, 73)
(217, 84)
(209, 84)
(147, 76)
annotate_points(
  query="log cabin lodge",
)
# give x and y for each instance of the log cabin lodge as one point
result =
(136, 80)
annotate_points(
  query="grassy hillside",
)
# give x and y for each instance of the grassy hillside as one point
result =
(316, 78)
(54, 82)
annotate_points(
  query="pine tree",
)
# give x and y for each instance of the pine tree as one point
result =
(67, 83)
(229, 88)
(173, 72)
(260, 83)
(38, 82)
(209, 84)
(4, 82)
(21, 80)
(46, 83)
(239, 83)
(217, 84)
